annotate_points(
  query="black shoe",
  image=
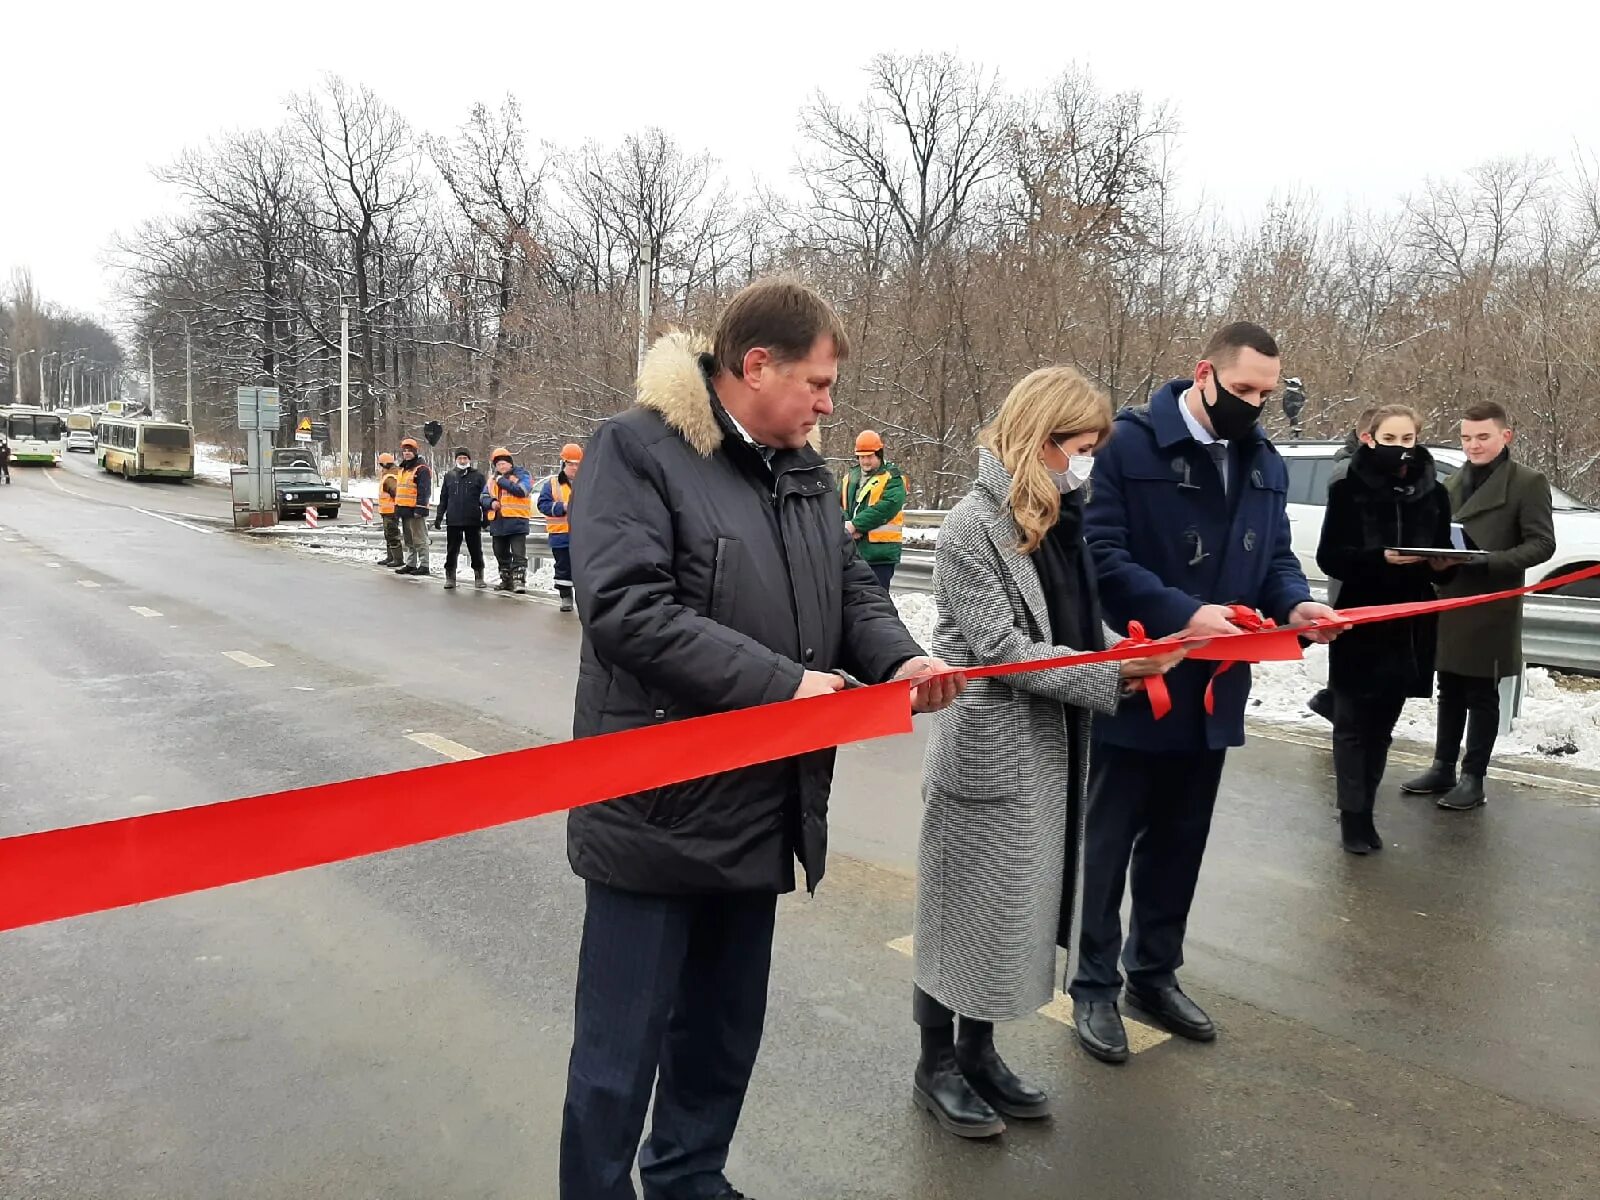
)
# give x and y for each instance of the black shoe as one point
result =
(566, 604)
(1439, 778)
(1100, 1029)
(996, 1083)
(504, 585)
(1353, 833)
(944, 1091)
(405, 570)
(519, 583)
(421, 571)
(1174, 1011)
(1466, 795)
(478, 581)
(1370, 831)
(449, 582)
(1322, 705)
(732, 1194)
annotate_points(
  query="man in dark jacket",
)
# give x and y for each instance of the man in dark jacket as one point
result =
(461, 510)
(5, 460)
(1505, 508)
(713, 572)
(1188, 517)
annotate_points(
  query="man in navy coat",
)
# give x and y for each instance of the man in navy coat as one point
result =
(1187, 518)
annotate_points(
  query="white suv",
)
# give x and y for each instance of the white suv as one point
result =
(1311, 467)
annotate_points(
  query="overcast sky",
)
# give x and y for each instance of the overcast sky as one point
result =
(1356, 102)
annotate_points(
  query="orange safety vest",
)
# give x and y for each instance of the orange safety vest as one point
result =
(406, 486)
(511, 507)
(563, 493)
(870, 492)
(386, 500)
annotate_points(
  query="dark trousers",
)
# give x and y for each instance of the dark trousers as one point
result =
(510, 549)
(454, 536)
(5, 469)
(884, 572)
(391, 538)
(1151, 812)
(1470, 706)
(1363, 731)
(675, 985)
(563, 557)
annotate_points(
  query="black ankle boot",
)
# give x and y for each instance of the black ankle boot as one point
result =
(941, 1088)
(1353, 832)
(989, 1076)
(1370, 832)
(1437, 779)
(1465, 795)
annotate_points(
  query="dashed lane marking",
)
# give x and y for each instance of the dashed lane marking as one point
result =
(1141, 1037)
(88, 583)
(143, 611)
(244, 659)
(443, 746)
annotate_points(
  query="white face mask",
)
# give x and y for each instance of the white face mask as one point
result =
(1079, 468)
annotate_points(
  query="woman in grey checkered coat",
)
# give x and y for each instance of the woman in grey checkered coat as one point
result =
(1006, 767)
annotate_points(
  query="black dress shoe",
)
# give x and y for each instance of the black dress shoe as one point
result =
(1175, 1011)
(1353, 833)
(1100, 1029)
(943, 1090)
(1440, 777)
(1468, 794)
(1322, 705)
(405, 570)
(989, 1076)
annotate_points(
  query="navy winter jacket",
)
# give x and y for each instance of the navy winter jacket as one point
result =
(1166, 539)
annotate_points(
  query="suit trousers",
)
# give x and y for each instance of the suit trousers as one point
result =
(1149, 816)
(672, 992)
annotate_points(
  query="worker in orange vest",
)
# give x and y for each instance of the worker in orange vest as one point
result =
(555, 497)
(508, 500)
(873, 497)
(413, 492)
(388, 485)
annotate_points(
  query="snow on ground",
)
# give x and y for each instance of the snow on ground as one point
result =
(919, 612)
(370, 551)
(214, 463)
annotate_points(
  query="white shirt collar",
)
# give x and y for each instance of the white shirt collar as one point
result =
(766, 452)
(1196, 430)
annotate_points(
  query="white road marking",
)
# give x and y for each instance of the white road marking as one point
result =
(8, 539)
(144, 612)
(172, 520)
(50, 479)
(245, 660)
(52, 564)
(88, 583)
(443, 746)
(1141, 1037)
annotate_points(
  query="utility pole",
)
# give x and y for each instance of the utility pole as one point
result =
(150, 346)
(344, 396)
(188, 374)
(644, 285)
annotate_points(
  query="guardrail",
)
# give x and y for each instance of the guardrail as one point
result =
(1562, 632)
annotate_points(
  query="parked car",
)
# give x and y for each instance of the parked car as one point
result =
(1311, 467)
(300, 487)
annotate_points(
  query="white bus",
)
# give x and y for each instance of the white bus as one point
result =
(138, 449)
(36, 436)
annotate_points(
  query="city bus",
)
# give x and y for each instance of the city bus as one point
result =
(137, 449)
(36, 436)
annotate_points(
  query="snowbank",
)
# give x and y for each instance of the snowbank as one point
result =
(919, 612)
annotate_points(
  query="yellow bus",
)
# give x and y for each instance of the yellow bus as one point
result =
(137, 449)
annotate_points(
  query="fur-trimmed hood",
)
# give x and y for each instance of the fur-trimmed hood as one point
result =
(672, 382)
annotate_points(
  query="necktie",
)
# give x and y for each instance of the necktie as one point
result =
(1219, 455)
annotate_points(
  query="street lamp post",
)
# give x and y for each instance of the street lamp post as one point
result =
(188, 374)
(150, 349)
(344, 394)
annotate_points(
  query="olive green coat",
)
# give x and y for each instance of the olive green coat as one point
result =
(1511, 516)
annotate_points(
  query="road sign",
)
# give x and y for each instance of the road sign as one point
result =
(304, 426)
(302, 435)
(319, 431)
(433, 431)
(258, 408)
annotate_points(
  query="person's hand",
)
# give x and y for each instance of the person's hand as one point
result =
(937, 690)
(1442, 564)
(817, 683)
(1309, 611)
(1156, 664)
(1395, 559)
(850, 528)
(1210, 620)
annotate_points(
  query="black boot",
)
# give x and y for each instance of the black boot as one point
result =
(1322, 704)
(1468, 794)
(404, 569)
(1353, 833)
(1440, 777)
(1370, 832)
(519, 579)
(941, 1088)
(566, 598)
(507, 574)
(449, 581)
(478, 581)
(989, 1076)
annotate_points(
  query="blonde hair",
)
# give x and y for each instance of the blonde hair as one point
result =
(1051, 400)
(1386, 411)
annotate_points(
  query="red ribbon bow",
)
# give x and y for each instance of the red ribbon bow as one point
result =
(1153, 686)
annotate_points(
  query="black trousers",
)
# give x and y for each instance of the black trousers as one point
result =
(1149, 816)
(454, 536)
(668, 984)
(563, 557)
(509, 549)
(1470, 706)
(1363, 731)
(884, 572)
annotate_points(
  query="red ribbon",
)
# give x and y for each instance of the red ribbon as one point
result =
(111, 864)
(1154, 686)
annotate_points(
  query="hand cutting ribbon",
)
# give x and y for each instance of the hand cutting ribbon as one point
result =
(1153, 686)
(61, 873)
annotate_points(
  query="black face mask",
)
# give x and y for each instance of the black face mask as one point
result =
(1393, 460)
(1231, 417)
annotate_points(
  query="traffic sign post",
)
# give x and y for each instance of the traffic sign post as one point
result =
(302, 431)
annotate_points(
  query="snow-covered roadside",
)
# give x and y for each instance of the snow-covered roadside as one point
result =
(1559, 724)
(213, 464)
(541, 581)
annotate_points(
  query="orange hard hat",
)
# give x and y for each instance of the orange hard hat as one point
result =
(386, 459)
(572, 452)
(412, 442)
(868, 442)
(500, 452)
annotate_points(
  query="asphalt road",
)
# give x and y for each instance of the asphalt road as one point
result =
(1421, 1023)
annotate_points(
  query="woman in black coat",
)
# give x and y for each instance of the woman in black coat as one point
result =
(1390, 497)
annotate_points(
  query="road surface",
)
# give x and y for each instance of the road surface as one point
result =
(1421, 1023)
